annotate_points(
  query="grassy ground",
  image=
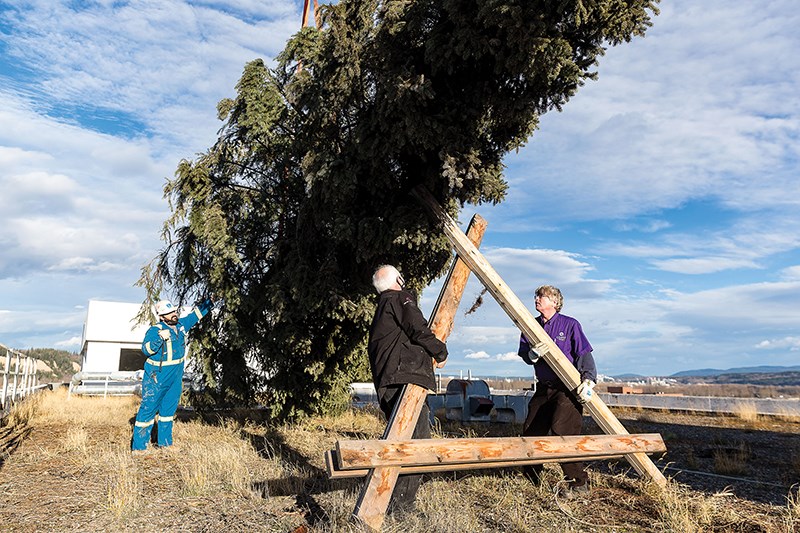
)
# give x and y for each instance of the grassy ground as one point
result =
(66, 466)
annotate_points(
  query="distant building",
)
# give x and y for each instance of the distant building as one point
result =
(112, 340)
(622, 389)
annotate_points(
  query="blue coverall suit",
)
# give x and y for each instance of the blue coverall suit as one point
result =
(163, 378)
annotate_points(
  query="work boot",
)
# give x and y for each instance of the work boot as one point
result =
(572, 492)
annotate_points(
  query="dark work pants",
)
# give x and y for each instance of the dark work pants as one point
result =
(405, 490)
(554, 410)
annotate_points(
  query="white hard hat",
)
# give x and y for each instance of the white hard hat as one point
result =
(165, 307)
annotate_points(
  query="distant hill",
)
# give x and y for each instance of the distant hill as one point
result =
(711, 372)
(776, 379)
(61, 363)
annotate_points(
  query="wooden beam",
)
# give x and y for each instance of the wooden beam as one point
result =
(450, 296)
(538, 338)
(334, 472)
(353, 454)
(374, 498)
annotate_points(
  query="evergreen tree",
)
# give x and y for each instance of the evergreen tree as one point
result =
(63, 364)
(305, 192)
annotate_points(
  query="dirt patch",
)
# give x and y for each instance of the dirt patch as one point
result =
(758, 461)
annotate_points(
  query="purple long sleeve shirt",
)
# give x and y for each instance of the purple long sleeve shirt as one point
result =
(568, 335)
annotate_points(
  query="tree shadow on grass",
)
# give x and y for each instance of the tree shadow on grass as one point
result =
(10, 438)
(312, 481)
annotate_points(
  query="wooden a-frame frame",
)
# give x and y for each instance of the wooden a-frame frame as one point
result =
(525, 321)
(374, 498)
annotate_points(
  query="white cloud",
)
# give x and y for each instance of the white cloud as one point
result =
(702, 108)
(86, 264)
(501, 357)
(68, 243)
(525, 269)
(657, 332)
(75, 199)
(152, 62)
(674, 331)
(746, 244)
(122, 92)
(791, 273)
(488, 334)
(790, 343)
(702, 265)
(30, 321)
(72, 342)
(648, 226)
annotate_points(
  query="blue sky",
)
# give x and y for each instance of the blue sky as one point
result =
(663, 200)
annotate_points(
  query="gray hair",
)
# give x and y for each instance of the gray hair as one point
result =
(553, 293)
(384, 278)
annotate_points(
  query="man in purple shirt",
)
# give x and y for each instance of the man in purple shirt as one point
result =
(554, 408)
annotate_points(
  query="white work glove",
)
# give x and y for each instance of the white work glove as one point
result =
(164, 334)
(585, 390)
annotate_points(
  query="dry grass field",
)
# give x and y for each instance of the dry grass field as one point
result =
(65, 466)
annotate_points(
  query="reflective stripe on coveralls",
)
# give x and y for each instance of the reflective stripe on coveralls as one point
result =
(157, 418)
(151, 351)
(166, 363)
(161, 390)
(169, 349)
(162, 380)
(168, 342)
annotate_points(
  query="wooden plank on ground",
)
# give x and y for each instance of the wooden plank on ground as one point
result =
(353, 454)
(526, 322)
(374, 498)
(334, 472)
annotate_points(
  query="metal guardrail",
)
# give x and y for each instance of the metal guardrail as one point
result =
(512, 406)
(105, 384)
(19, 378)
(706, 404)
(121, 383)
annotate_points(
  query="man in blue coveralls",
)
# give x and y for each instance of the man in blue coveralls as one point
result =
(165, 347)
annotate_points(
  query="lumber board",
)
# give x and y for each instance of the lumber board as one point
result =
(456, 281)
(373, 501)
(526, 322)
(334, 472)
(353, 454)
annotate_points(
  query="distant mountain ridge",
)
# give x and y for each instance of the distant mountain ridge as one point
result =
(698, 373)
(708, 372)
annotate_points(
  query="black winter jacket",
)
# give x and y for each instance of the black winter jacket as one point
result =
(401, 344)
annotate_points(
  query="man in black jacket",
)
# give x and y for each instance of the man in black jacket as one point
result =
(402, 350)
